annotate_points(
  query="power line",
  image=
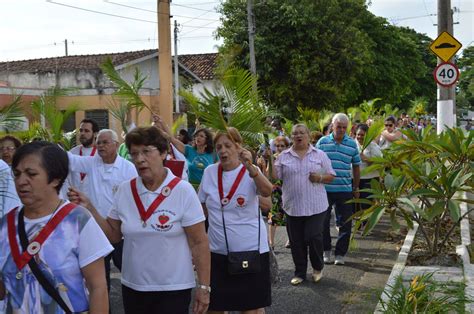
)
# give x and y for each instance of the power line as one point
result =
(200, 3)
(202, 26)
(152, 11)
(126, 17)
(99, 12)
(129, 6)
(189, 7)
(426, 9)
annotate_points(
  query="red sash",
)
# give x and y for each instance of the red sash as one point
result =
(83, 175)
(238, 179)
(165, 192)
(35, 245)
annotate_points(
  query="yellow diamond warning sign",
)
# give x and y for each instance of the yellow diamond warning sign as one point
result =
(445, 46)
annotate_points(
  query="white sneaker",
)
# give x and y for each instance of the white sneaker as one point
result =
(327, 257)
(317, 275)
(339, 260)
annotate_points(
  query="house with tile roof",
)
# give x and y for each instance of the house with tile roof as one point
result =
(90, 88)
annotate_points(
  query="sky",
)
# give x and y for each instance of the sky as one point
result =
(31, 29)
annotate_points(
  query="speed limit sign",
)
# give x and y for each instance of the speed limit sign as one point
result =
(446, 74)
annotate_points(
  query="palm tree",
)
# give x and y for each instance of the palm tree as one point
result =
(11, 113)
(127, 94)
(236, 104)
(51, 117)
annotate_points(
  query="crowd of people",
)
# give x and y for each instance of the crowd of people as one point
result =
(175, 215)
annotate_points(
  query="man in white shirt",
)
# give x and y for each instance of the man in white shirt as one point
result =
(106, 170)
(88, 130)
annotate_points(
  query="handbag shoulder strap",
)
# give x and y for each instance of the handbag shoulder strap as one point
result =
(43, 281)
(225, 232)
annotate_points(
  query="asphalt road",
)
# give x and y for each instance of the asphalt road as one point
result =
(351, 288)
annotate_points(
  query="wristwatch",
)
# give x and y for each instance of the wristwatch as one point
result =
(204, 287)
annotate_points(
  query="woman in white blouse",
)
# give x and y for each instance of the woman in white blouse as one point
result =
(229, 190)
(162, 223)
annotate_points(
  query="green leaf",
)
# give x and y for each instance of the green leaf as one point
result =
(374, 219)
(393, 220)
(435, 210)
(454, 210)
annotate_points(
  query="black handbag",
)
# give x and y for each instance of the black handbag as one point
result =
(244, 262)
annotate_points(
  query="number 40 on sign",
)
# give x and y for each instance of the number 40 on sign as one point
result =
(446, 74)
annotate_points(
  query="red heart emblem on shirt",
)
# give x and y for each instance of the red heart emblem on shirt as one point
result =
(163, 219)
(240, 200)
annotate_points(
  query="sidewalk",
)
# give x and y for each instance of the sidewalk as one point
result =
(351, 288)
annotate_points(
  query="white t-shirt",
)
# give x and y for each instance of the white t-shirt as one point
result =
(75, 243)
(157, 257)
(8, 195)
(242, 214)
(74, 178)
(104, 179)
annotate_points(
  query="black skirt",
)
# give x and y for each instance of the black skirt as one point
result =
(239, 292)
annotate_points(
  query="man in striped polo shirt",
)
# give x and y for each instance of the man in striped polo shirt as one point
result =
(344, 155)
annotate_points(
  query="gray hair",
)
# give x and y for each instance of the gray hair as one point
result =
(300, 125)
(112, 133)
(340, 117)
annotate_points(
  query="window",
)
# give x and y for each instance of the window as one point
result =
(100, 116)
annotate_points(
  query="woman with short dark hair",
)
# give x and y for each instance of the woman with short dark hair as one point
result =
(161, 222)
(60, 241)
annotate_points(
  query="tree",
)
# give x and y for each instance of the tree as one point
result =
(308, 52)
(465, 97)
(236, 104)
(46, 108)
(325, 53)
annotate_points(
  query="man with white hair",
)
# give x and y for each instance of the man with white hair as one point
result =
(344, 155)
(106, 170)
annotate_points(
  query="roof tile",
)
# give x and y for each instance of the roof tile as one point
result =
(202, 65)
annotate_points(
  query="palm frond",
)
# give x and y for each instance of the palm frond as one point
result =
(126, 91)
(119, 110)
(181, 120)
(46, 107)
(11, 113)
(235, 104)
(374, 130)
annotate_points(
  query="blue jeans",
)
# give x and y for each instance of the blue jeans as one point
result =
(343, 213)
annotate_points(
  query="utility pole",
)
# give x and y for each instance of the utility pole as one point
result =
(446, 111)
(165, 97)
(65, 46)
(176, 74)
(251, 30)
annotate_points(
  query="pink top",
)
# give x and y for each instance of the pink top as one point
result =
(300, 196)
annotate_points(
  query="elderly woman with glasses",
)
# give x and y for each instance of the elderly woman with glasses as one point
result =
(304, 170)
(390, 134)
(161, 221)
(8, 145)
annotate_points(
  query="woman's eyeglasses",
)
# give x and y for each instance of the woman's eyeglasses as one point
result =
(280, 145)
(388, 125)
(7, 148)
(147, 152)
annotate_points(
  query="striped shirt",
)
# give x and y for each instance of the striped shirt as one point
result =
(343, 156)
(300, 196)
